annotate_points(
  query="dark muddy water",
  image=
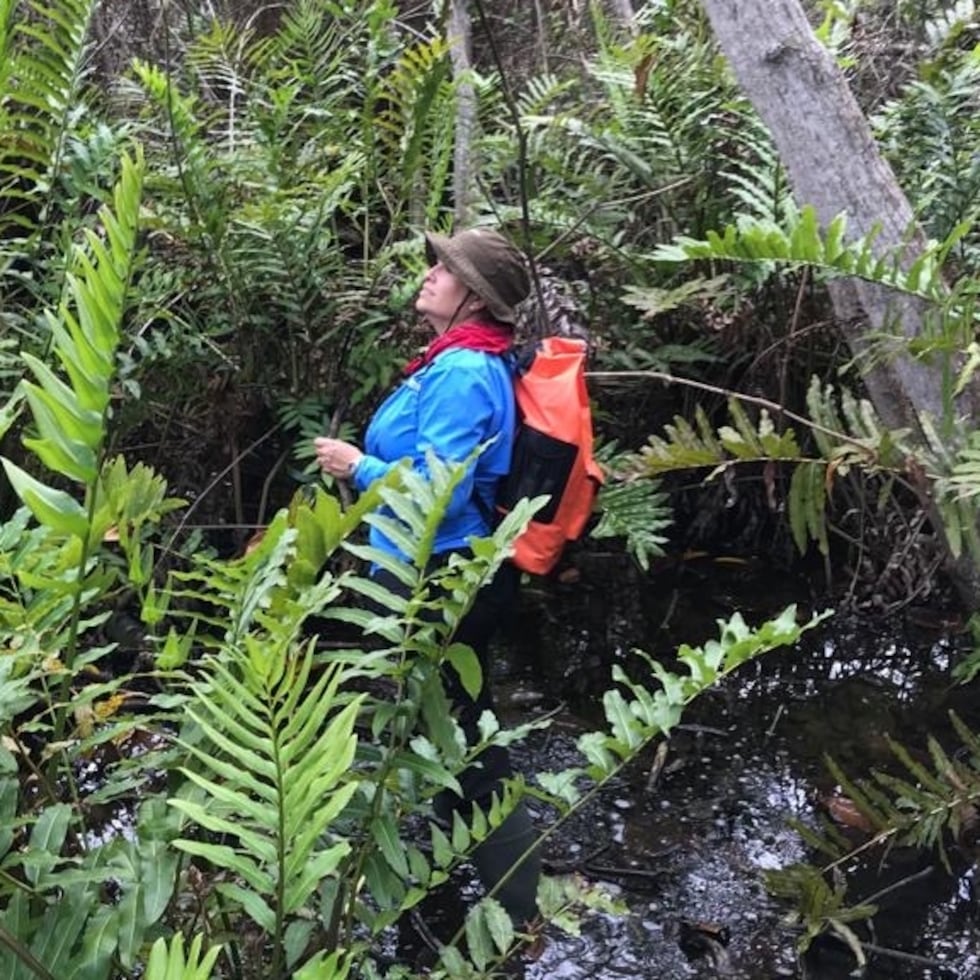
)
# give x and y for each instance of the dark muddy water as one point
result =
(686, 855)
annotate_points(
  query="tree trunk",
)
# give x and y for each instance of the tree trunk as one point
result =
(459, 49)
(834, 164)
(624, 15)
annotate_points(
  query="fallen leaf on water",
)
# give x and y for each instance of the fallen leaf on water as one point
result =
(844, 810)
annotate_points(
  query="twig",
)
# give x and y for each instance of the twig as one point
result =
(647, 874)
(775, 721)
(658, 765)
(564, 867)
(343, 487)
(557, 710)
(587, 865)
(425, 933)
(898, 954)
(701, 729)
(793, 327)
(894, 886)
(669, 612)
(236, 482)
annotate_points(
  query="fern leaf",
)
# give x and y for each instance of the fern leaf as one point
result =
(171, 963)
(799, 241)
(925, 778)
(70, 417)
(860, 795)
(42, 50)
(968, 737)
(638, 511)
(282, 801)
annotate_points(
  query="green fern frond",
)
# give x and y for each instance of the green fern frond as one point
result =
(303, 34)
(635, 714)
(921, 807)
(271, 736)
(71, 415)
(799, 241)
(275, 770)
(930, 135)
(540, 93)
(172, 963)
(964, 479)
(415, 97)
(418, 514)
(868, 441)
(664, 108)
(654, 301)
(638, 511)
(188, 117)
(42, 54)
(217, 57)
(846, 430)
(743, 441)
(757, 180)
(808, 505)
(818, 906)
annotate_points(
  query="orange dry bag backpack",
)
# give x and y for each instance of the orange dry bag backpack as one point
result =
(552, 451)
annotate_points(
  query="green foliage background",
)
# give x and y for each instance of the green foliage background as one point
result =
(209, 253)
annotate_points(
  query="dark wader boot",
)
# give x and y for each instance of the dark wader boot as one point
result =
(496, 856)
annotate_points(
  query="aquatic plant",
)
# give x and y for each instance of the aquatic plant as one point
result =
(932, 805)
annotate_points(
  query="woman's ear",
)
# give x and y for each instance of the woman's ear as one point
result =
(475, 304)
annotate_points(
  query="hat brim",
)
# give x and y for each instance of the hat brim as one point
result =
(442, 249)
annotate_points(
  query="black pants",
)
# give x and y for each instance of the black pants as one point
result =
(507, 860)
(495, 604)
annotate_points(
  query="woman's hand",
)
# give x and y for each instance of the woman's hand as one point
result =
(336, 457)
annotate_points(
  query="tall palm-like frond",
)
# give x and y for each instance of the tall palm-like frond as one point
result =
(650, 158)
(70, 413)
(418, 109)
(42, 67)
(276, 771)
(756, 178)
(54, 577)
(293, 163)
(42, 64)
(931, 134)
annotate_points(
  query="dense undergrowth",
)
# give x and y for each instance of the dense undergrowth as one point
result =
(277, 789)
(209, 255)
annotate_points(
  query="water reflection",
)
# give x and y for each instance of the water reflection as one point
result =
(750, 758)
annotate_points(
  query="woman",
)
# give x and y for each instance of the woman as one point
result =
(457, 396)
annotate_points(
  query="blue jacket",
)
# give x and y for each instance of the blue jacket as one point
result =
(460, 400)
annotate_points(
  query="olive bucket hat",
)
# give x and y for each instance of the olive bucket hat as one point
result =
(484, 261)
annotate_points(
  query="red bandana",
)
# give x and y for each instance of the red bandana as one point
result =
(494, 338)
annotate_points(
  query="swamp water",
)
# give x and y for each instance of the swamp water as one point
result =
(683, 841)
(686, 851)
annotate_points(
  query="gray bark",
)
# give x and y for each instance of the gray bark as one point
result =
(834, 164)
(459, 49)
(624, 15)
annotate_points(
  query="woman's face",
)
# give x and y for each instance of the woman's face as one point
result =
(443, 300)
